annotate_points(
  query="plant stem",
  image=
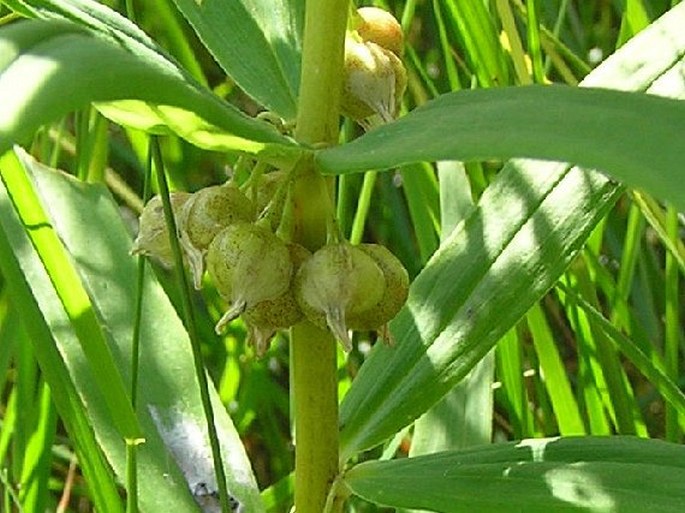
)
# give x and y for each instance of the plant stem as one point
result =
(313, 370)
(316, 416)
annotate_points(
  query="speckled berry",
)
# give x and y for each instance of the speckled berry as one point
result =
(265, 318)
(248, 264)
(338, 281)
(153, 236)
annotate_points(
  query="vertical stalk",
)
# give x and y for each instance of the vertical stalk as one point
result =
(191, 326)
(313, 372)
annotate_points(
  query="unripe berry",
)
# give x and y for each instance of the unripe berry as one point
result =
(205, 214)
(248, 264)
(374, 83)
(338, 281)
(266, 317)
(381, 27)
(153, 236)
(394, 295)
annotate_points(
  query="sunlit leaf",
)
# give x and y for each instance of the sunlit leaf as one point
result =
(175, 456)
(50, 68)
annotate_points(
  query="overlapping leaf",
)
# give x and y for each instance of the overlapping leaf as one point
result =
(49, 68)
(169, 411)
(256, 42)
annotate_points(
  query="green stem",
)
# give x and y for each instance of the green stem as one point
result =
(313, 369)
(315, 387)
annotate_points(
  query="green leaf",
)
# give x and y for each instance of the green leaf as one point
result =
(617, 474)
(629, 135)
(175, 456)
(526, 229)
(256, 42)
(43, 60)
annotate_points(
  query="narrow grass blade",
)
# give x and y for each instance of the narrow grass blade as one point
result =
(510, 371)
(554, 375)
(474, 26)
(617, 474)
(38, 456)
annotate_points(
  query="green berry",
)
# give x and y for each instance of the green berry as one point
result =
(204, 215)
(338, 281)
(394, 295)
(248, 264)
(153, 236)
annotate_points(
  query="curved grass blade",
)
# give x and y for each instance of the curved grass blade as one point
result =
(617, 474)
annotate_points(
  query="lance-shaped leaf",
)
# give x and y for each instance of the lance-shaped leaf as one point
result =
(629, 135)
(522, 235)
(50, 68)
(617, 474)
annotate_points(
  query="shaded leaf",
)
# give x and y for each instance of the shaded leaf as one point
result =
(256, 42)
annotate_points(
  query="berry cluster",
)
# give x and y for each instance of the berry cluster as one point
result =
(271, 282)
